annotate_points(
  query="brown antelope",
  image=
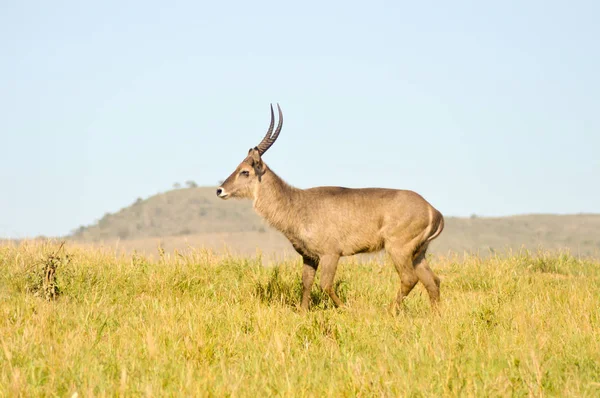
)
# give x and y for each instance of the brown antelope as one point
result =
(326, 223)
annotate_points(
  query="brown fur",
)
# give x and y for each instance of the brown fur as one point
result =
(326, 223)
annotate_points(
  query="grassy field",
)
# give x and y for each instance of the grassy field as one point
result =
(197, 324)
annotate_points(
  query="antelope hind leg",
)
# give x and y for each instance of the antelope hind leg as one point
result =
(427, 278)
(408, 277)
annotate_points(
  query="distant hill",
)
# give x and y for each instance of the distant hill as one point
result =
(197, 216)
(186, 211)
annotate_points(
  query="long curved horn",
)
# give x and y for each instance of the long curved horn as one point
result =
(269, 139)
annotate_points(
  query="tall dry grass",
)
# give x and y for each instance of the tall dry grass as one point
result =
(195, 324)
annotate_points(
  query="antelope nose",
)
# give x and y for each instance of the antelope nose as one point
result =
(219, 191)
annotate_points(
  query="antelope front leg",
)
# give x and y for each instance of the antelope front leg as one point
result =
(328, 266)
(308, 276)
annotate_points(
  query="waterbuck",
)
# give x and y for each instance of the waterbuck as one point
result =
(326, 223)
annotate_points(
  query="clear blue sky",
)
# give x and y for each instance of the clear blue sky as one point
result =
(490, 108)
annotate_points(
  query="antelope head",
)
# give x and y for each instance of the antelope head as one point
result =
(243, 181)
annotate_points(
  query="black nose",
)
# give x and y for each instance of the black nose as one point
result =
(219, 190)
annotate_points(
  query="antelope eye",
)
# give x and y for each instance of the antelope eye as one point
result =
(244, 173)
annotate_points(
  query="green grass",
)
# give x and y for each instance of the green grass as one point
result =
(195, 324)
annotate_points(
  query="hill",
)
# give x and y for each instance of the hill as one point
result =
(197, 217)
(178, 212)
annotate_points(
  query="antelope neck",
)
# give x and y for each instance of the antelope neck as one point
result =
(275, 200)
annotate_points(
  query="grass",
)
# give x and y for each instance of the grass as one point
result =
(197, 324)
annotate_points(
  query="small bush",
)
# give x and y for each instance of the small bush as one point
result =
(42, 280)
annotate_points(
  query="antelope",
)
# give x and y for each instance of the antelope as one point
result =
(326, 223)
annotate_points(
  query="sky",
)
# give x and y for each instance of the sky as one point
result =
(488, 108)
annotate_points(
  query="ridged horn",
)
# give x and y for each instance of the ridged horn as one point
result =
(269, 138)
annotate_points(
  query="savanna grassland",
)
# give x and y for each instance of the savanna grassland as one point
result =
(193, 323)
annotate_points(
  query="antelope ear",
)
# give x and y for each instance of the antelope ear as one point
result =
(255, 155)
(257, 163)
